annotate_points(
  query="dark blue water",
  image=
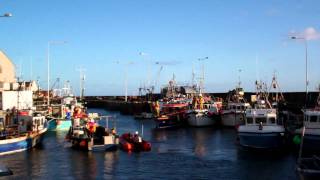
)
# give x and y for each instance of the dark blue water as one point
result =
(186, 153)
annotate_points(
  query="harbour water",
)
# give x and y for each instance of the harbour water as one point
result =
(185, 153)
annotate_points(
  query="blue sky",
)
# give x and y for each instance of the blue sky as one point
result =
(103, 36)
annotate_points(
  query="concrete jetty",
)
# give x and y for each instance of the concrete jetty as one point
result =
(135, 105)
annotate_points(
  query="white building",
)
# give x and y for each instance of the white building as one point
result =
(16, 99)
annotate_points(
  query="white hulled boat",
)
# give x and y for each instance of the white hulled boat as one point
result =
(204, 110)
(311, 123)
(205, 114)
(261, 128)
(234, 112)
(25, 130)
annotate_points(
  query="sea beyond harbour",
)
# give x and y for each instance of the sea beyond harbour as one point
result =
(185, 153)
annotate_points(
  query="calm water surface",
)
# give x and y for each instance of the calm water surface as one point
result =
(186, 153)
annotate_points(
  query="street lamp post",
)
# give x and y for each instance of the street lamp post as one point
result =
(148, 61)
(306, 62)
(6, 15)
(126, 79)
(48, 67)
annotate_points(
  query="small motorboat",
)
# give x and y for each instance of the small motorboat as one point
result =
(129, 142)
(90, 136)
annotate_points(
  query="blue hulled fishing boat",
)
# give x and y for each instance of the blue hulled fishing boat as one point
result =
(24, 131)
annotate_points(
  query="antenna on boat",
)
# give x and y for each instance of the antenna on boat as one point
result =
(274, 85)
(239, 83)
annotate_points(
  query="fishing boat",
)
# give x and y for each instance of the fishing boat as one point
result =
(204, 114)
(63, 108)
(233, 114)
(311, 124)
(87, 134)
(21, 131)
(63, 112)
(129, 142)
(261, 129)
(172, 114)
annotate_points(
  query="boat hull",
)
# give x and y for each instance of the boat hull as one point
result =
(261, 140)
(172, 121)
(9, 146)
(200, 120)
(311, 142)
(59, 124)
(232, 119)
(167, 124)
(128, 144)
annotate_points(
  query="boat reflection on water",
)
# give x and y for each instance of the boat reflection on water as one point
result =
(90, 167)
(190, 141)
(160, 135)
(110, 162)
(200, 138)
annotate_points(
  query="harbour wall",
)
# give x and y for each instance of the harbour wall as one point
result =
(135, 105)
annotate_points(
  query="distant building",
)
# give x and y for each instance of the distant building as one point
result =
(7, 70)
(13, 94)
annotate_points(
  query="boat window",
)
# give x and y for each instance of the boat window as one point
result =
(259, 119)
(233, 107)
(272, 120)
(249, 120)
(313, 118)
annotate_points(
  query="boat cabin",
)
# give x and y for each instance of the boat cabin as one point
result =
(312, 118)
(264, 116)
(170, 108)
(238, 106)
(30, 122)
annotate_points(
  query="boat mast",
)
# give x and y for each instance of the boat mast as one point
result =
(202, 78)
(82, 79)
(193, 75)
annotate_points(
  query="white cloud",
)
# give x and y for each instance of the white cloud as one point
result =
(309, 33)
